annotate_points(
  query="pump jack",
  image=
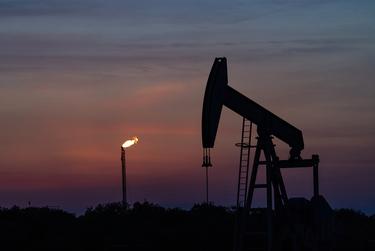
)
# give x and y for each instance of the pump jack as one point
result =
(279, 211)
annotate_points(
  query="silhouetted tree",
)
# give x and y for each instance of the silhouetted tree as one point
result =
(147, 226)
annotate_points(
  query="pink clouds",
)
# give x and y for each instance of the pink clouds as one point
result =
(70, 95)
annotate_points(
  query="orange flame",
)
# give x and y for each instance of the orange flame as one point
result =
(130, 142)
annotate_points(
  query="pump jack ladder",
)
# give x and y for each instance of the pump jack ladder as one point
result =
(243, 172)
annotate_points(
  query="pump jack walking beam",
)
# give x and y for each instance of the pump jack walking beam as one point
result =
(218, 93)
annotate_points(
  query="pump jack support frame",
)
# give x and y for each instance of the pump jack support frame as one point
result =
(276, 194)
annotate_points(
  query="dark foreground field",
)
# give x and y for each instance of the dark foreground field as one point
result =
(147, 226)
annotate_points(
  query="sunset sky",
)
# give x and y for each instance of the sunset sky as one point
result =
(79, 77)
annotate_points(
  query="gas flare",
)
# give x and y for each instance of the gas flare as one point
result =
(130, 142)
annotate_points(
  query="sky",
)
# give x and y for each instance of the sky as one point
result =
(78, 78)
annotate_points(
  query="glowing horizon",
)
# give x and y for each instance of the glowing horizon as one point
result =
(67, 96)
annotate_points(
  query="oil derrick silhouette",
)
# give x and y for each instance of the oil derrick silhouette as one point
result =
(289, 224)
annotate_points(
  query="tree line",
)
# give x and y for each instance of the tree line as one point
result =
(146, 226)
